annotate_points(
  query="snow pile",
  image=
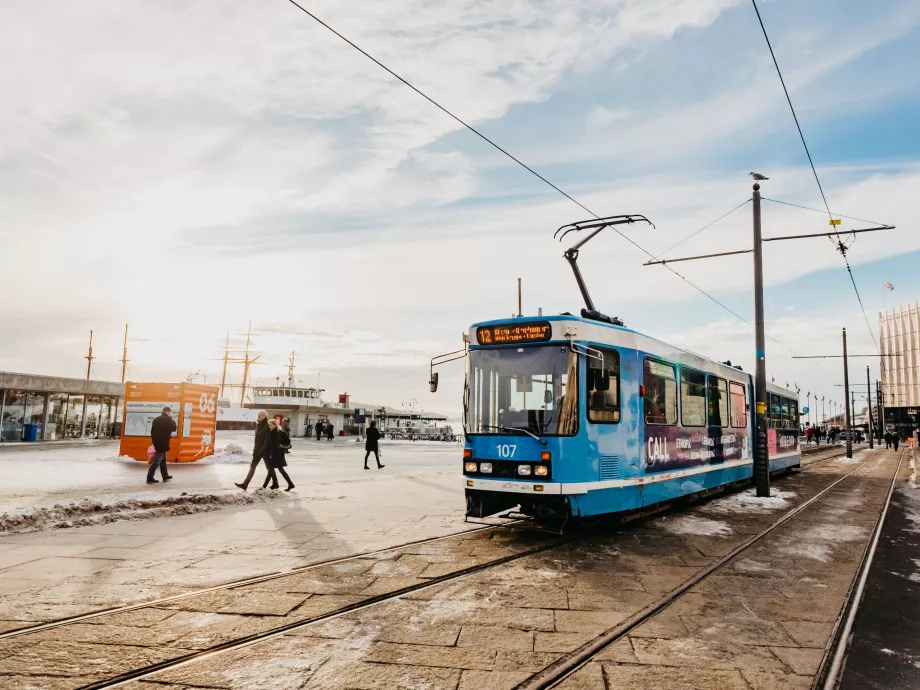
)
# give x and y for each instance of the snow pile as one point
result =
(95, 512)
(748, 502)
(231, 454)
(689, 524)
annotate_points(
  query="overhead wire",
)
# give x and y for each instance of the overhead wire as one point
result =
(818, 210)
(840, 245)
(708, 225)
(531, 170)
(509, 155)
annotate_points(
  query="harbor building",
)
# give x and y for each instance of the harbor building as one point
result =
(53, 408)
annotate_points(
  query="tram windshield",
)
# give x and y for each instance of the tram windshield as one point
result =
(526, 388)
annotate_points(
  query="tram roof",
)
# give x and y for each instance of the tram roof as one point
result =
(640, 341)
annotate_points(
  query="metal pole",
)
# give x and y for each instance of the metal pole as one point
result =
(808, 395)
(846, 397)
(520, 311)
(223, 375)
(761, 453)
(89, 357)
(881, 404)
(869, 407)
(124, 355)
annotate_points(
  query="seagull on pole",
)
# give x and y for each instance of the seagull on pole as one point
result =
(758, 176)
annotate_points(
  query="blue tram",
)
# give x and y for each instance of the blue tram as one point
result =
(568, 416)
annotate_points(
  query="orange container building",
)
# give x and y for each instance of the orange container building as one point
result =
(194, 409)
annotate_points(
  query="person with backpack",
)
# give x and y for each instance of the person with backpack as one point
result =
(280, 444)
(371, 444)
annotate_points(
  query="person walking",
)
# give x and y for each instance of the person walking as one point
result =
(286, 426)
(161, 432)
(280, 444)
(260, 448)
(809, 432)
(372, 444)
(329, 430)
(896, 439)
(319, 429)
(887, 439)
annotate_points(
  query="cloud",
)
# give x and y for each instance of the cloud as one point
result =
(192, 170)
(600, 117)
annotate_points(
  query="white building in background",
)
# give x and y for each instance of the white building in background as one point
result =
(899, 338)
(304, 407)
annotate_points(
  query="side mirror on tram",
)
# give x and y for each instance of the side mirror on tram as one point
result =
(547, 397)
(433, 382)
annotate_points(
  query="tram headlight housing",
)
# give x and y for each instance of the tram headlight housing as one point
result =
(524, 470)
(470, 467)
(485, 467)
(541, 470)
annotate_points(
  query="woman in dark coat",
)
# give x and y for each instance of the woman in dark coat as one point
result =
(280, 442)
(329, 430)
(371, 444)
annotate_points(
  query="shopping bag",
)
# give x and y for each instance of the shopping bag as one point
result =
(151, 451)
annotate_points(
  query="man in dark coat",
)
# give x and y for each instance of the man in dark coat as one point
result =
(319, 430)
(261, 449)
(161, 432)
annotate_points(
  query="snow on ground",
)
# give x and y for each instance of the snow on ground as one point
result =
(95, 512)
(690, 524)
(819, 540)
(748, 502)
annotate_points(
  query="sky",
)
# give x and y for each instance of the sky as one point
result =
(189, 167)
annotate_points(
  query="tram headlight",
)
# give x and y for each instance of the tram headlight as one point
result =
(524, 470)
(469, 467)
(485, 467)
(541, 470)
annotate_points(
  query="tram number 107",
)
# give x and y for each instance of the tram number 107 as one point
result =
(506, 450)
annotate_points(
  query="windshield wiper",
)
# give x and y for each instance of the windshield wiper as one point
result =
(510, 429)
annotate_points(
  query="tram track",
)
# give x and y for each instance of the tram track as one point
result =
(569, 664)
(268, 577)
(249, 640)
(834, 657)
(366, 602)
(242, 582)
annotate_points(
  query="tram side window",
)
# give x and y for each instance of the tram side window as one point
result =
(603, 386)
(738, 403)
(660, 399)
(692, 397)
(718, 401)
(790, 407)
(776, 411)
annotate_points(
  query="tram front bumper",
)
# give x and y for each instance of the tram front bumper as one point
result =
(509, 486)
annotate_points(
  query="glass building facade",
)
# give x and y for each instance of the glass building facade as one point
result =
(44, 408)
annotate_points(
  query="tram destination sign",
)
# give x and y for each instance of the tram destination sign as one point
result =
(510, 334)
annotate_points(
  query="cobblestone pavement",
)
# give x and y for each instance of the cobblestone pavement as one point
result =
(55, 574)
(762, 622)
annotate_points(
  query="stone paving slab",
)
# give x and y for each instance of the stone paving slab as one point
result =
(475, 633)
(767, 629)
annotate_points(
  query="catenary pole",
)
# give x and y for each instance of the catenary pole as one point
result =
(846, 397)
(761, 457)
(881, 404)
(869, 407)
